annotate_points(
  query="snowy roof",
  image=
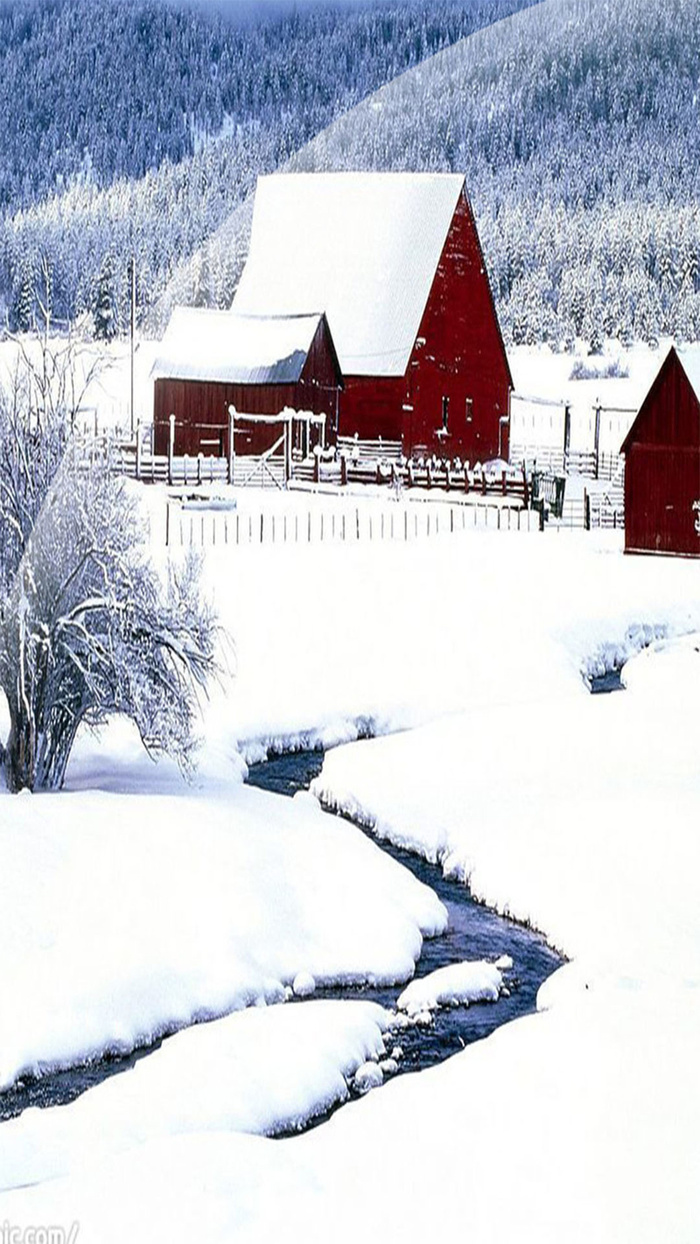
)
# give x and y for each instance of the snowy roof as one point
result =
(242, 349)
(363, 247)
(690, 362)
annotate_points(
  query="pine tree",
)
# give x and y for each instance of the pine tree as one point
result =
(23, 296)
(104, 311)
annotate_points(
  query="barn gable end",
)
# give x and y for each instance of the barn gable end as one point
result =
(662, 467)
(458, 378)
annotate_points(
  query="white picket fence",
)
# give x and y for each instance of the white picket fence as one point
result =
(207, 528)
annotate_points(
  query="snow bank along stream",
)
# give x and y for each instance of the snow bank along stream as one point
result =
(481, 958)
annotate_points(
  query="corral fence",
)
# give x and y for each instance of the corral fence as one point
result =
(565, 439)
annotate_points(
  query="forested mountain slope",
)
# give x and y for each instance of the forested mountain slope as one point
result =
(135, 126)
(577, 125)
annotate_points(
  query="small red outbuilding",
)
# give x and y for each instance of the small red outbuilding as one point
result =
(261, 365)
(662, 462)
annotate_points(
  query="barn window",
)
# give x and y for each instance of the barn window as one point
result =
(445, 413)
(469, 409)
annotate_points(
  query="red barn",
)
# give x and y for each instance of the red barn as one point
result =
(395, 262)
(210, 360)
(662, 463)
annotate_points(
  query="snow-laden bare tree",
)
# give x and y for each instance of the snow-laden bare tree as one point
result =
(87, 627)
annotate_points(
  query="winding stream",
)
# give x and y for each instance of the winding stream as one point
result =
(474, 932)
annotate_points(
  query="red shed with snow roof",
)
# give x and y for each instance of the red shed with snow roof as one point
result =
(261, 365)
(662, 462)
(394, 261)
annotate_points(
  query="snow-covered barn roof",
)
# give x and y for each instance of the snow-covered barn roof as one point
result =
(225, 346)
(363, 247)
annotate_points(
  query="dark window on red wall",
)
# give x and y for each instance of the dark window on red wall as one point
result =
(445, 413)
(469, 409)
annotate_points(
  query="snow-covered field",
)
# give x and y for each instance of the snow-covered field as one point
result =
(132, 905)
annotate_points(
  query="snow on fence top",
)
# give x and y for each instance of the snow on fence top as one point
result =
(226, 346)
(363, 247)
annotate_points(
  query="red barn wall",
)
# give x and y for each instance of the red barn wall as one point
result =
(201, 407)
(459, 355)
(662, 468)
(661, 484)
(373, 407)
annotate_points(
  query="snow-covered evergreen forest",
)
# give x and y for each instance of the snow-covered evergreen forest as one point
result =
(136, 128)
(576, 123)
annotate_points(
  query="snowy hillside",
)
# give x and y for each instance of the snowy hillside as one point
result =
(575, 122)
(137, 128)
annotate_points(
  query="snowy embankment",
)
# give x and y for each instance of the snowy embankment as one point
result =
(258, 1071)
(577, 815)
(124, 916)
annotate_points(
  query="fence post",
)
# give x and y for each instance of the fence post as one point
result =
(139, 445)
(200, 464)
(171, 447)
(586, 510)
(343, 469)
(567, 434)
(597, 439)
(231, 424)
(167, 523)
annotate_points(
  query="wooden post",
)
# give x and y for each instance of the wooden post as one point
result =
(597, 439)
(317, 468)
(526, 498)
(586, 510)
(343, 469)
(171, 447)
(132, 336)
(567, 434)
(139, 449)
(200, 464)
(167, 523)
(287, 451)
(231, 451)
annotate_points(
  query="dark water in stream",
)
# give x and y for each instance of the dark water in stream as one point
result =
(474, 933)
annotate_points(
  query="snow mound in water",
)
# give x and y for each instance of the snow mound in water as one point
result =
(456, 985)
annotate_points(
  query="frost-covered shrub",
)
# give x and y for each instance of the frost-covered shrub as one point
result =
(614, 369)
(87, 627)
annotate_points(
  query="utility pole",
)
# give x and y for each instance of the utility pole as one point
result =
(132, 334)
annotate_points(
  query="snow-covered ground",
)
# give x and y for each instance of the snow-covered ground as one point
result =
(131, 905)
